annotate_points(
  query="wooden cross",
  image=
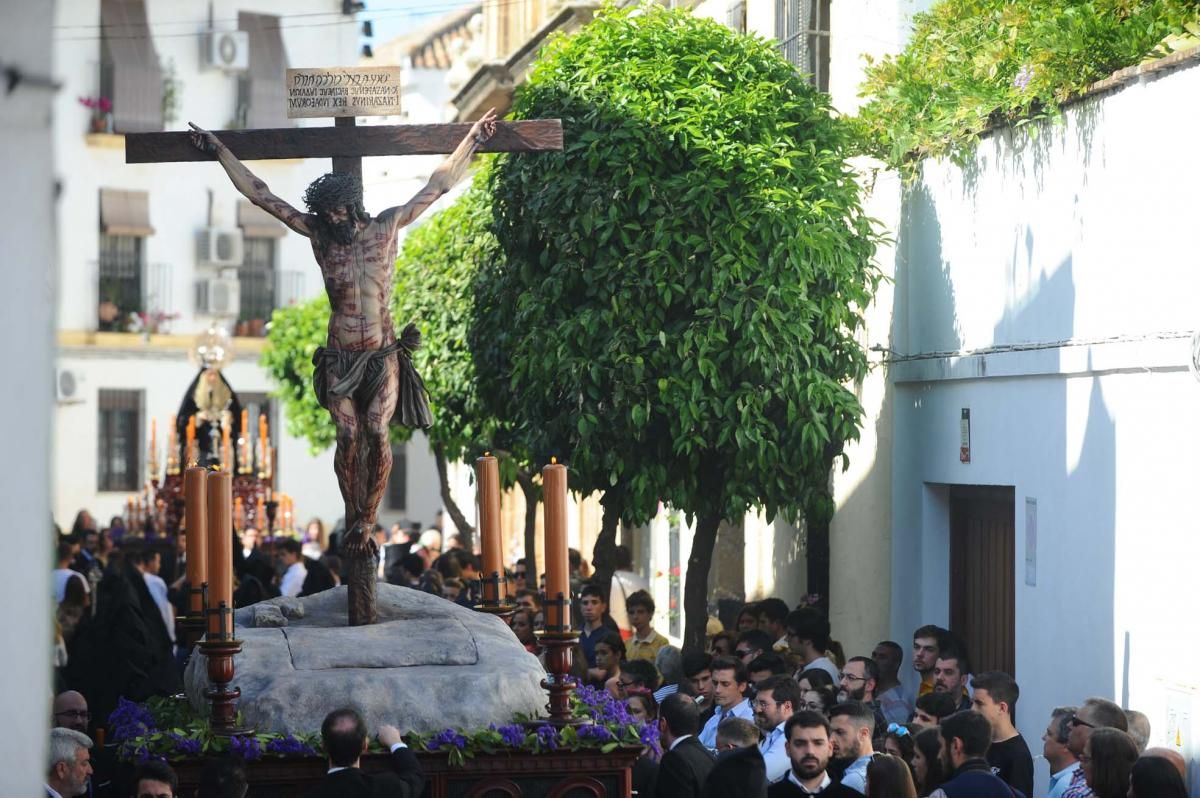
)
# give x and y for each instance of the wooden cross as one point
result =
(344, 93)
(345, 143)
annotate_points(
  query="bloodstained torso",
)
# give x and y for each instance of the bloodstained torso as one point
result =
(358, 279)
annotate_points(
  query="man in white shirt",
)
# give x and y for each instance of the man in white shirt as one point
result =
(148, 563)
(775, 702)
(808, 638)
(1063, 763)
(291, 557)
(63, 573)
(730, 680)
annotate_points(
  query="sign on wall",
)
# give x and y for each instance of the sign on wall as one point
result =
(343, 91)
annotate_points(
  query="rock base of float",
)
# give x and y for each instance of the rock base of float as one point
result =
(427, 665)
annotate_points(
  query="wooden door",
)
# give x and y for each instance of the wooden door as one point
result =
(982, 574)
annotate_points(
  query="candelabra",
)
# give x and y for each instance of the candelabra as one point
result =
(559, 640)
(220, 650)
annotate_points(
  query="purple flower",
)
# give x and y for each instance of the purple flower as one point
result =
(448, 738)
(512, 735)
(289, 746)
(591, 696)
(648, 734)
(246, 747)
(185, 746)
(1024, 75)
(596, 734)
(130, 720)
(547, 737)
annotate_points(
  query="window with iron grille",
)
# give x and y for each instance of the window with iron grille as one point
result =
(736, 16)
(119, 463)
(397, 488)
(257, 278)
(120, 278)
(802, 28)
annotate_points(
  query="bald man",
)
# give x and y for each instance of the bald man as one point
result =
(1172, 756)
(70, 712)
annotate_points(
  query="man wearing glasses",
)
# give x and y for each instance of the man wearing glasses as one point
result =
(1096, 713)
(857, 682)
(71, 712)
(777, 700)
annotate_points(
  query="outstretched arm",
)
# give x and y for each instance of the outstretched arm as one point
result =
(446, 176)
(251, 186)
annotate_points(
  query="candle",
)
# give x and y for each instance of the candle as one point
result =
(153, 435)
(195, 497)
(226, 451)
(239, 514)
(220, 551)
(558, 580)
(487, 492)
(190, 441)
(260, 516)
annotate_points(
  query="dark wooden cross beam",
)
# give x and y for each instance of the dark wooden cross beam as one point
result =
(345, 143)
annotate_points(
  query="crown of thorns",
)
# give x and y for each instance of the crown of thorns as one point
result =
(333, 191)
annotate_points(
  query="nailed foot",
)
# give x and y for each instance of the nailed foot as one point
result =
(358, 543)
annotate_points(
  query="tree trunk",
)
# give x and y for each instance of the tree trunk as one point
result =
(604, 554)
(525, 480)
(456, 515)
(695, 589)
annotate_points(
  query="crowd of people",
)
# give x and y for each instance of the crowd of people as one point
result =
(771, 708)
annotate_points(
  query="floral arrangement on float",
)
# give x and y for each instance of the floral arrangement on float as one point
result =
(167, 729)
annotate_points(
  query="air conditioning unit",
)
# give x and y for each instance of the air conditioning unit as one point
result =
(218, 296)
(227, 49)
(67, 388)
(219, 247)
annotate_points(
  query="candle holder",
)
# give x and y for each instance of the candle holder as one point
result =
(558, 641)
(501, 608)
(220, 653)
(193, 624)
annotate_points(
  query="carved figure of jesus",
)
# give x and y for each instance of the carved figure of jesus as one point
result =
(364, 375)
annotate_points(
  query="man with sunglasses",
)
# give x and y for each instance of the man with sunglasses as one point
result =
(1096, 713)
(752, 644)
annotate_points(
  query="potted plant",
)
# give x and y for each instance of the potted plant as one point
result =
(101, 108)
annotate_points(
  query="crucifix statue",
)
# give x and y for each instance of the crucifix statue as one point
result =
(364, 375)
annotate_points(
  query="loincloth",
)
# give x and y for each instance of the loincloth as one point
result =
(340, 374)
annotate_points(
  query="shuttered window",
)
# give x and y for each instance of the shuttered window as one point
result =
(119, 466)
(262, 96)
(130, 74)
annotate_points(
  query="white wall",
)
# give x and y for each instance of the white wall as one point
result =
(26, 324)
(1084, 234)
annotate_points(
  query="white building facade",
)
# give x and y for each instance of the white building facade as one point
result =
(176, 241)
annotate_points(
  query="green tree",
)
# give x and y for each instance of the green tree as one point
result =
(676, 309)
(294, 335)
(435, 274)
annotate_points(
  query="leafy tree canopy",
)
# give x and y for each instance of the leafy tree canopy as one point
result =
(676, 307)
(973, 64)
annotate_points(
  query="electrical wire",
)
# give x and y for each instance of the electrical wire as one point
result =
(1066, 343)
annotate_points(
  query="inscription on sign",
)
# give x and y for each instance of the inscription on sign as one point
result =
(343, 91)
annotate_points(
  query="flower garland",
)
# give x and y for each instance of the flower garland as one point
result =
(166, 729)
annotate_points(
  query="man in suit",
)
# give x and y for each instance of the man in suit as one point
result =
(740, 771)
(344, 735)
(809, 749)
(70, 763)
(686, 763)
